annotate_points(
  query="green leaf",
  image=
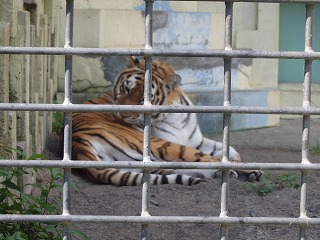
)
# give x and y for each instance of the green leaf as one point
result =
(20, 154)
(15, 236)
(77, 233)
(37, 156)
(18, 202)
(4, 172)
(11, 185)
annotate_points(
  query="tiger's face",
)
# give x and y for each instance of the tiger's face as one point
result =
(129, 88)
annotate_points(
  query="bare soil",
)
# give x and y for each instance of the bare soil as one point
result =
(204, 199)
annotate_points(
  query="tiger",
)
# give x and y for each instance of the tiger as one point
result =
(106, 136)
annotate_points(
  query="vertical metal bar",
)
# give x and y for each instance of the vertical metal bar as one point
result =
(306, 118)
(226, 119)
(147, 118)
(68, 116)
(308, 63)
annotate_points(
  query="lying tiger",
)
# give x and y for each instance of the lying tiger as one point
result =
(103, 136)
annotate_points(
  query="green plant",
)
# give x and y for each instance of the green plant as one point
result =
(14, 200)
(269, 183)
(57, 121)
(315, 149)
(263, 187)
(288, 180)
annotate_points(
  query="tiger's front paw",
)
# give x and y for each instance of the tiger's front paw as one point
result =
(250, 175)
(232, 174)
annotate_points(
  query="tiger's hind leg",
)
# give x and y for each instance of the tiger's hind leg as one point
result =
(206, 174)
(132, 177)
(163, 171)
(126, 178)
(214, 148)
(190, 172)
(242, 175)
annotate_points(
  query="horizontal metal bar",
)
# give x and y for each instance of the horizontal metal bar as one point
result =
(162, 109)
(163, 165)
(256, 1)
(156, 52)
(160, 219)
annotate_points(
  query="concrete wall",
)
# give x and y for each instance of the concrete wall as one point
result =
(183, 25)
(176, 26)
(291, 95)
(28, 78)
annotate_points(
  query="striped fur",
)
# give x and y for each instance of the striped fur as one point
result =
(119, 137)
(100, 137)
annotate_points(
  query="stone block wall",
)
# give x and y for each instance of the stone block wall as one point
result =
(28, 78)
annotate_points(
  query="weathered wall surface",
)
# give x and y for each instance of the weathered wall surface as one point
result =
(28, 78)
(182, 25)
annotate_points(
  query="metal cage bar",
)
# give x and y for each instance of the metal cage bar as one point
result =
(226, 118)
(153, 165)
(161, 219)
(159, 52)
(147, 119)
(66, 198)
(161, 109)
(227, 109)
(306, 119)
(260, 1)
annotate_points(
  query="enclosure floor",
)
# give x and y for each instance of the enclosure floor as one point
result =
(278, 144)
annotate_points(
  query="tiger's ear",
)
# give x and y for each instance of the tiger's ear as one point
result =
(173, 81)
(132, 62)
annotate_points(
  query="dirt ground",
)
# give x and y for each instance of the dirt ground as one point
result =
(280, 144)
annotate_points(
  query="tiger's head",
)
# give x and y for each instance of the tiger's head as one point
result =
(128, 88)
